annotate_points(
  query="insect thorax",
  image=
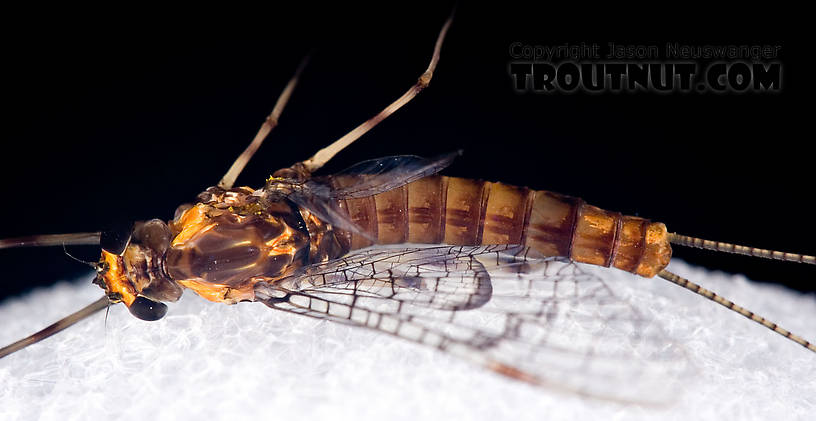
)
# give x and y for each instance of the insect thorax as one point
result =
(219, 247)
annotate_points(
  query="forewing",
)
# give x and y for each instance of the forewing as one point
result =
(543, 321)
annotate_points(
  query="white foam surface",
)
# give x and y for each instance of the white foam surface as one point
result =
(211, 361)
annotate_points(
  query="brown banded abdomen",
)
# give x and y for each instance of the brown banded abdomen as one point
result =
(458, 211)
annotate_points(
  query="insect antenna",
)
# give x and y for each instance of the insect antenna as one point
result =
(65, 322)
(78, 238)
(687, 241)
(65, 250)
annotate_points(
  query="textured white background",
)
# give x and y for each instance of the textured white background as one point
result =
(247, 361)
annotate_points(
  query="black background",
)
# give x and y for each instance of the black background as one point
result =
(128, 115)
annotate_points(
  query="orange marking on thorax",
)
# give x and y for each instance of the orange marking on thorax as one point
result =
(275, 243)
(193, 221)
(209, 291)
(116, 280)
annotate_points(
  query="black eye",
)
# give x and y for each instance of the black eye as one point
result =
(115, 240)
(147, 309)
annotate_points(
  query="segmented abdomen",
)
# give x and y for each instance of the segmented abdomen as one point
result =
(449, 210)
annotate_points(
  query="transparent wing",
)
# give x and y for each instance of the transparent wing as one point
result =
(326, 208)
(364, 179)
(383, 174)
(542, 321)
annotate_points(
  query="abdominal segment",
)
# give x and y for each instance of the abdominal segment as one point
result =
(459, 211)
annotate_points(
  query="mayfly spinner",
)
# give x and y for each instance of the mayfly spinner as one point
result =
(392, 246)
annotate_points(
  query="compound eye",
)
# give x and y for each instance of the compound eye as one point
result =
(116, 240)
(147, 309)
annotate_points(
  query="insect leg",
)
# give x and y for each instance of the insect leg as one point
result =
(79, 238)
(271, 121)
(60, 325)
(324, 155)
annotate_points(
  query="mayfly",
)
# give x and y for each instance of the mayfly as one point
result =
(335, 248)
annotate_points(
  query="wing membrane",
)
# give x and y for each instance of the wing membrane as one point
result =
(383, 174)
(364, 179)
(542, 321)
(326, 209)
